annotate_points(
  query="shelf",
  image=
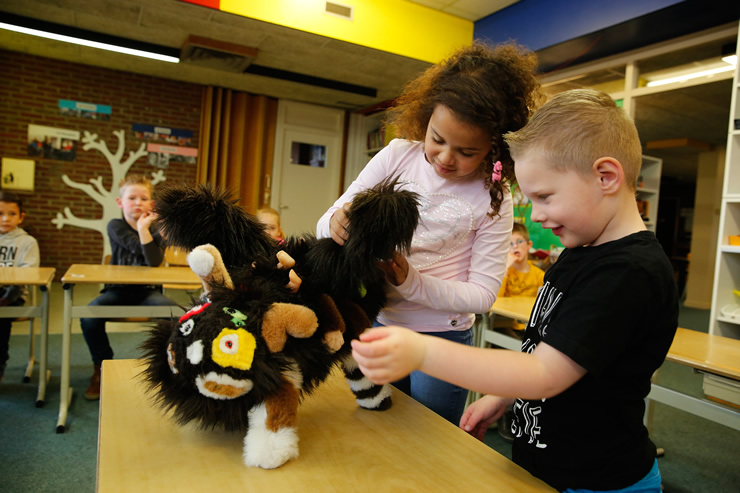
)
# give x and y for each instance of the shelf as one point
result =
(647, 190)
(728, 320)
(730, 249)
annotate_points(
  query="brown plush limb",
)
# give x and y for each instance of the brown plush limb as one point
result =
(282, 407)
(354, 317)
(218, 274)
(284, 319)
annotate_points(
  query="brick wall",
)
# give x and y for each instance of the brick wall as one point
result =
(30, 90)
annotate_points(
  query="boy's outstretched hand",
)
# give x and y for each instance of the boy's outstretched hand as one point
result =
(482, 413)
(386, 354)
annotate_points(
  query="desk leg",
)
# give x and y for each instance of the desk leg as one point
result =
(65, 391)
(31, 350)
(44, 374)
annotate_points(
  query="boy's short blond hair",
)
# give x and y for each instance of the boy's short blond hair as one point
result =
(577, 127)
(135, 180)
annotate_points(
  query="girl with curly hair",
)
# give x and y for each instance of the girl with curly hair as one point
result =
(451, 121)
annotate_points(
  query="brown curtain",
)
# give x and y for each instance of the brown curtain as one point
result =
(237, 137)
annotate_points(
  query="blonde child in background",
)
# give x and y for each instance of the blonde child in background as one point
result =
(17, 249)
(271, 219)
(602, 323)
(133, 242)
(450, 120)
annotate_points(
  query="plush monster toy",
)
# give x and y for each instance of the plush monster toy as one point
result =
(273, 321)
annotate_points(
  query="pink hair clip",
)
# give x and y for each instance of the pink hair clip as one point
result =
(496, 175)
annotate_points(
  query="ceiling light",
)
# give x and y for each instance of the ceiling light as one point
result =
(86, 42)
(691, 75)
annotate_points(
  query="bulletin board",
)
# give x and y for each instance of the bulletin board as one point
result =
(542, 239)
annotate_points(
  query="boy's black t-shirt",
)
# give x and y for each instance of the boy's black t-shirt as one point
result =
(613, 309)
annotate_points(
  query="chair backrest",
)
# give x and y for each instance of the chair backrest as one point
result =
(175, 256)
(106, 259)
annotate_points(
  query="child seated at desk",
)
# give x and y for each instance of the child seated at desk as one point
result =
(17, 249)
(522, 277)
(132, 243)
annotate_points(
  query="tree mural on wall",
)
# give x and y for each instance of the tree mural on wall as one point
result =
(95, 189)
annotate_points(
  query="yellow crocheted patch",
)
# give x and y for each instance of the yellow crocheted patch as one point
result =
(234, 348)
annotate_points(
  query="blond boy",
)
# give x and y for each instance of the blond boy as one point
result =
(133, 241)
(601, 325)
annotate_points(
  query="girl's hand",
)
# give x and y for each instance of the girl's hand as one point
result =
(482, 413)
(396, 270)
(338, 224)
(386, 354)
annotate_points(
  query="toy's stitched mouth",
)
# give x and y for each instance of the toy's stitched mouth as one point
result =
(220, 386)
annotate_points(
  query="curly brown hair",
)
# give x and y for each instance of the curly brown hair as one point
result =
(492, 87)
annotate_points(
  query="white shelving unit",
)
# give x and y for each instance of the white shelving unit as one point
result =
(648, 190)
(727, 269)
(724, 317)
(359, 151)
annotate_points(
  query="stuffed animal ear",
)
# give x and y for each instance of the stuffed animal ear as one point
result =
(206, 262)
(284, 319)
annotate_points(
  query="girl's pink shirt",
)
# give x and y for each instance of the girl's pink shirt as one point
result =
(458, 254)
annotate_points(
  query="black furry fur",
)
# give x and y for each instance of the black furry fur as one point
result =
(383, 221)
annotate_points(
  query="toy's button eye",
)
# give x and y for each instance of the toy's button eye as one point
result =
(187, 327)
(233, 348)
(229, 344)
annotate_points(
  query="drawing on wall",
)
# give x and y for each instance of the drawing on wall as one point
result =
(52, 143)
(79, 109)
(160, 155)
(18, 174)
(172, 136)
(95, 189)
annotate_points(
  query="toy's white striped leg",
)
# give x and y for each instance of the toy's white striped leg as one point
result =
(367, 394)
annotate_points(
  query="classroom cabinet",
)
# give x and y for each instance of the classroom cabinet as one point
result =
(725, 311)
(648, 190)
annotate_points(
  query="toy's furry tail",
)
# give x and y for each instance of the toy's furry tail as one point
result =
(193, 216)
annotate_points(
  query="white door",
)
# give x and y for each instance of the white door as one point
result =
(307, 183)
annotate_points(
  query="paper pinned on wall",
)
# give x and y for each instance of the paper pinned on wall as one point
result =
(18, 174)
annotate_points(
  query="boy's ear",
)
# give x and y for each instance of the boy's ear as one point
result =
(118, 202)
(610, 174)
(21, 217)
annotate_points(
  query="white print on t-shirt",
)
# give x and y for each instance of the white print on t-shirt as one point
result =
(530, 427)
(7, 256)
(445, 220)
(547, 299)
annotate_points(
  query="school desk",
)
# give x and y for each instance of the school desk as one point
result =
(703, 352)
(38, 278)
(343, 448)
(110, 274)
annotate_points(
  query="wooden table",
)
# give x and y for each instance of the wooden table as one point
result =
(110, 274)
(38, 278)
(343, 448)
(704, 352)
